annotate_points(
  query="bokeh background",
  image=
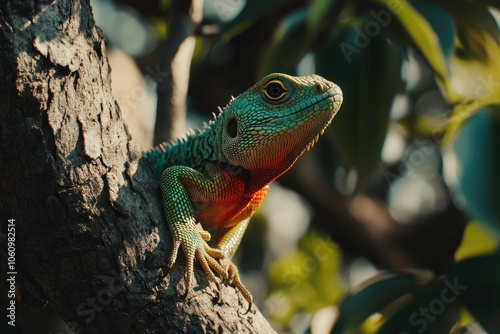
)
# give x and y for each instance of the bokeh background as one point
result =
(391, 223)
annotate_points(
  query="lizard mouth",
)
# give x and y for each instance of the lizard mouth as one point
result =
(335, 97)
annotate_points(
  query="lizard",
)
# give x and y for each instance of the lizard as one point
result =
(219, 175)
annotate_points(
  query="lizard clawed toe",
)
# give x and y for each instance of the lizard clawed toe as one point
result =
(234, 280)
(194, 245)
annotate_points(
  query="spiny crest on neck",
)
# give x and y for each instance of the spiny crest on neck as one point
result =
(221, 110)
(195, 132)
(181, 140)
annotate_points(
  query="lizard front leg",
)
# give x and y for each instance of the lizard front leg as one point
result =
(182, 222)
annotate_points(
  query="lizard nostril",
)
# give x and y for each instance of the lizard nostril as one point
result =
(318, 88)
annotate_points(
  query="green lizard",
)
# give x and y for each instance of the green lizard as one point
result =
(218, 176)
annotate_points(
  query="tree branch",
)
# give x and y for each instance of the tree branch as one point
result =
(91, 238)
(175, 65)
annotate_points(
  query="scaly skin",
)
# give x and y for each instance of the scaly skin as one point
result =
(219, 176)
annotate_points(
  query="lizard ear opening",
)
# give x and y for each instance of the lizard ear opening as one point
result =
(232, 127)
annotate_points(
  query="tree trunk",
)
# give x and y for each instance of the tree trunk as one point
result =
(90, 235)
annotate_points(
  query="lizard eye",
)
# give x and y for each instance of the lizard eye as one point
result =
(274, 90)
(232, 127)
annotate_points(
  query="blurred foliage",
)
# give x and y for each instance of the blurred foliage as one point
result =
(374, 295)
(306, 280)
(364, 46)
(360, 149)
(476, 183)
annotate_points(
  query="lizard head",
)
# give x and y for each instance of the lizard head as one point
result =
(271, 124)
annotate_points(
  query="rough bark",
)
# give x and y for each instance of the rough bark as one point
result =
(90, 235)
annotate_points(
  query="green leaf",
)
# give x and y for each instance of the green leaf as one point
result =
(373, 296)
(480, 279)
(367, 69)
(289, 43)
(472, 169)
(476, 66)
(476, 81)
(476, 241)
(475, 21)
(433, 309)
(441, 22)
(418, 33)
